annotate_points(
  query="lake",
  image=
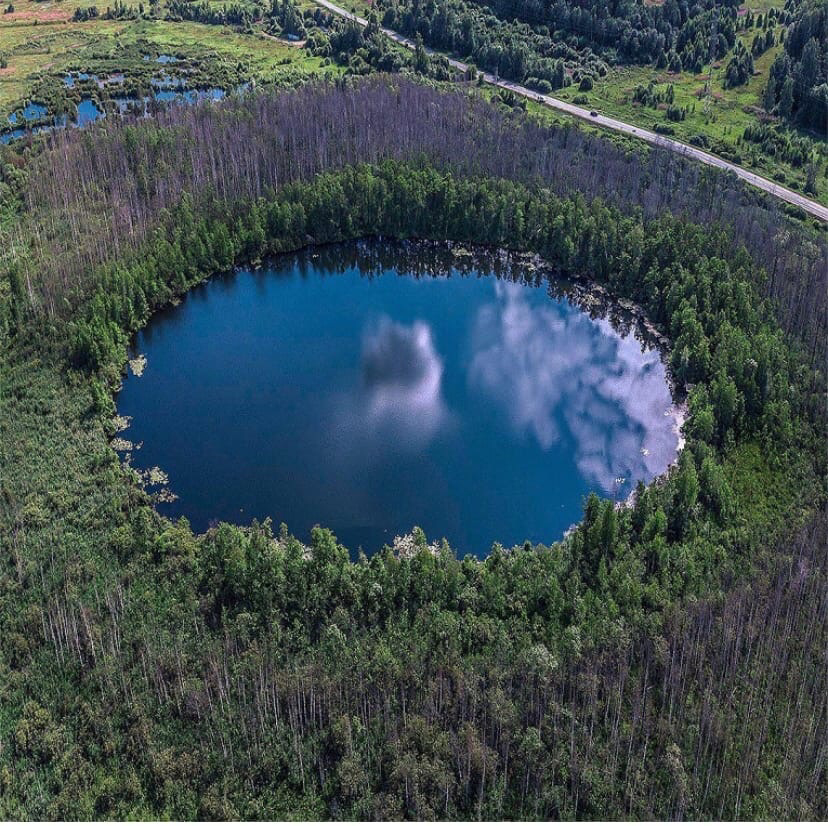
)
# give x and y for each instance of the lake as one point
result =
(371, 387)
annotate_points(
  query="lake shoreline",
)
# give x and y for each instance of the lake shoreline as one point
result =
(422, 258)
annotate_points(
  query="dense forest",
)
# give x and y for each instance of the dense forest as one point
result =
(547, 44)
(665, 660)
(103, 195)
(741, 87)
(797, 88)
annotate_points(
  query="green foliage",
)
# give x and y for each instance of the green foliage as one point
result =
(797, 150)
(798, 80)
(150, 672)
(740, 66)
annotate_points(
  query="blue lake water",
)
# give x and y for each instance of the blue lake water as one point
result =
(32, 111)
(88, 112)
(8, 137)
(334, 387)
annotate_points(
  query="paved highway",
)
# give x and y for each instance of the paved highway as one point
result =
(812, 207)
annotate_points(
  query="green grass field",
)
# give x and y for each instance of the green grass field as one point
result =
(722, 117)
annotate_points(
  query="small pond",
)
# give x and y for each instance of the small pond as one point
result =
(371, 387)
(165, 90)
(33, 111)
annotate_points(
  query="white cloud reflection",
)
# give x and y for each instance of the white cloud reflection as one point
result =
(402, 377)
(554, 369)
(399, 404)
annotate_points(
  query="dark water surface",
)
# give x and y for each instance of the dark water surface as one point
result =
(477, 408)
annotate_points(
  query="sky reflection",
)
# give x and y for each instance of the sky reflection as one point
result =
(559, 375)
(399, 404)
(479, 409)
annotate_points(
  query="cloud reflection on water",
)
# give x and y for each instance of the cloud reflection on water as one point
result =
(402, 379)
(399, 405)
(559, 373)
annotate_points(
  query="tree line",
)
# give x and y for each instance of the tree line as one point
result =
(524, 39)
(100, 192)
